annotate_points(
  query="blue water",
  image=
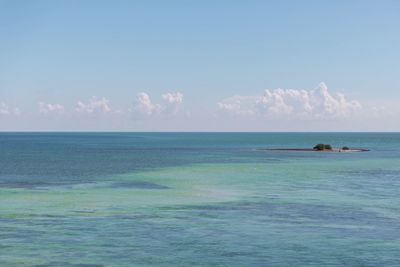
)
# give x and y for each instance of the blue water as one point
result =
(198, 199)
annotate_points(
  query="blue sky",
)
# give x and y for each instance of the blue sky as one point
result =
(199, 65)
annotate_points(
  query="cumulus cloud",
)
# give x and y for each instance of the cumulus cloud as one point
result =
(173, 98)
(145, 105)
(170, 106)
(173, 102)
(94, 106)
(6, 110)
(291, 103)
(51, 108)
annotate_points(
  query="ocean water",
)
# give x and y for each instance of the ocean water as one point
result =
(198, 199)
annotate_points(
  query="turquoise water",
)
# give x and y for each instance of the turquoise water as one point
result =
(198, 199)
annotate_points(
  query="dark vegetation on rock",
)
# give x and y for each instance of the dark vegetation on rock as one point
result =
(321, 147)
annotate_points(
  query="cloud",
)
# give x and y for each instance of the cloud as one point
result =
(51, 108)
(94, 106)
(173, 98)
(145, 105)
(291, 103)
(5, 110)
(170, 106)
(173, 102)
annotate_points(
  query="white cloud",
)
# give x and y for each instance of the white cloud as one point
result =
(170, 106)
(239, 105)
(173, 98)
(291, 103)
(51, 108)
(9, 111)
(145, 105)
(173, 102)
(94, 105)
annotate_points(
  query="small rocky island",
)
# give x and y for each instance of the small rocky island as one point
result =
(328, 148)
(320, 148)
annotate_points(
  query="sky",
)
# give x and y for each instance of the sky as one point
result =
(185, 65)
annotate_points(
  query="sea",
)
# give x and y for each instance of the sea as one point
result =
(198, 199)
